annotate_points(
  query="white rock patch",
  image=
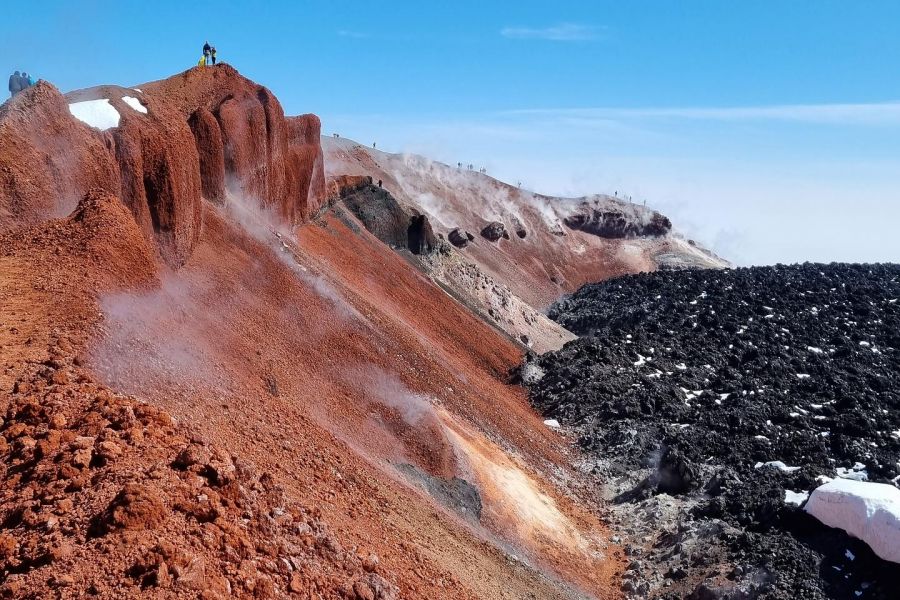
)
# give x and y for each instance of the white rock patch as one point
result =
(96, 113)
(868, 511)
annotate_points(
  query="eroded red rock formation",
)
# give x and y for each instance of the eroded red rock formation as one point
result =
(205, 133)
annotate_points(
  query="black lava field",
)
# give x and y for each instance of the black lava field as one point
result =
(693, 377)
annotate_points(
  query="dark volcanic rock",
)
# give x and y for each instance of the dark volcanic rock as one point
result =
(613, 223)
(494, 231)
(382, 215)
(420, 238)
(519, 228)
(458, 238)
(700, 375)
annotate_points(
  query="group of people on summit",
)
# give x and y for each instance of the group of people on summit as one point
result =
(209, 55)
(19, 82)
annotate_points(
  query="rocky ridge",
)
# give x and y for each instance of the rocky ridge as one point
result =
(203, 133)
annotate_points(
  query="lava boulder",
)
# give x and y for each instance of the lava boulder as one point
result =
(495, 230)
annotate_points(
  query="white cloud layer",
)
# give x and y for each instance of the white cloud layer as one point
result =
(563, 32)
(861, 114)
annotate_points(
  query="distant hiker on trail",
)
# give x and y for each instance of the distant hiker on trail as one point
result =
(379, 183)
(206, 50)
(212, 55)
(27, 81)
(373, 144)
(202, 61)
(30, 80)
(15, 84)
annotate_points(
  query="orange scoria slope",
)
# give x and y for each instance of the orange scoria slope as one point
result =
(233, 400)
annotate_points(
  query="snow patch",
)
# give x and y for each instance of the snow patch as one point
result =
(134, 103)
(795, 498)
(96, 113)
(868, 511)
(552, 423)
(856, 472)
(776, 464)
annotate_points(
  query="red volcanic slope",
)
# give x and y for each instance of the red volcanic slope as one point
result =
(199, 400)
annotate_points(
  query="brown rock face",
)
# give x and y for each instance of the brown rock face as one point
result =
(211, 151)
(206, 132)
(160, 177)
(309, 162)
(48, 159)
(266, 157)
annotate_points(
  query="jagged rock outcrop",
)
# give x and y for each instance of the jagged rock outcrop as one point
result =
(159, 175)
(269, 158)
(344, 185)
(494, 231)
(383, 216)
(616, 224)
(200, 134)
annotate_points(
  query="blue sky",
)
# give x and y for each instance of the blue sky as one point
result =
(770, 130)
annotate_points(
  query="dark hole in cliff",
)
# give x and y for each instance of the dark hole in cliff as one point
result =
(420, 237)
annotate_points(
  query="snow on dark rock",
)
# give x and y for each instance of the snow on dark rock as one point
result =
(712, 386)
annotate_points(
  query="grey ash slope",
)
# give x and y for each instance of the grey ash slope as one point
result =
(691, 378)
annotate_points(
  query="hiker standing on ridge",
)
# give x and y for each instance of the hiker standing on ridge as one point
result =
(15, 84)
(27, 80)
(206, 50)
(212, 55)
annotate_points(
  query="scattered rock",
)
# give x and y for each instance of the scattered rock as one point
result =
(494, 231)
(683, 381)
(458, 238)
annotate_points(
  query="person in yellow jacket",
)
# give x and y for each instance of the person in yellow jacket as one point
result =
(202, 61)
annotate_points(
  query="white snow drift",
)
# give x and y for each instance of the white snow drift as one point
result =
(135, 104)
(868, 511)
(96, 113)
